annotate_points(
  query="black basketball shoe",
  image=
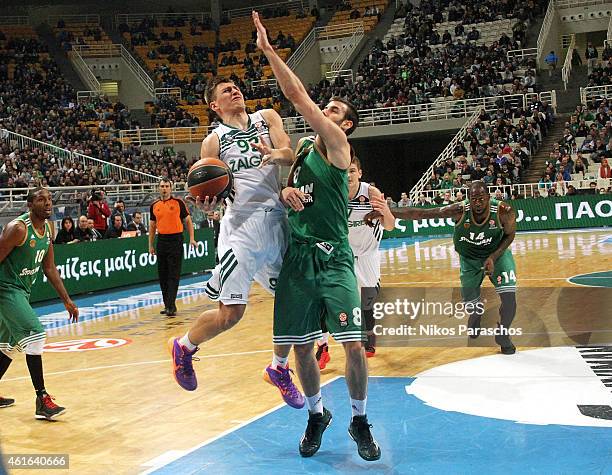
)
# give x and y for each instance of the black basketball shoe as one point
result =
(47, 409)
(311, 440)
(367, 447)
(6, 402)
(503, 340)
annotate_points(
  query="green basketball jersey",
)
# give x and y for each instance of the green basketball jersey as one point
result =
(20, 268)
(325, 213)
(478, 241)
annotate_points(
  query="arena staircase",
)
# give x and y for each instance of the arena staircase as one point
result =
(58, 55)
(142, 117)
(567, 100)
(538, 161)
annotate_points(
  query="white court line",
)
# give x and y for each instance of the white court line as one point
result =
(172, 455)
(586, 276)
(141, 363)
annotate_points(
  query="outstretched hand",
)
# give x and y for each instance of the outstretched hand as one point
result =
(262, 35)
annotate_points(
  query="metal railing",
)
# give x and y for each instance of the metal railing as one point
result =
(83, 95)
(566, 71)
(13, 200)
(138, 70)
(114, 51)
(347, 74)
(164, 136)
(93, 20)
(136, 18)
(524, 190)
(441, 110)
(521, 54)
(272, 82)
(578, 3)
(337, 31)
(14, 20)
(302, 50)
(446, 153)
(168, 91)
(544, 30)
(538, 51)
(293, 6)
(62, 155)
(86, 74)
(349, 47)
(595, 92)
(98, 51)
(321, 33)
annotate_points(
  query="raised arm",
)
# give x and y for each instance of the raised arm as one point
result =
(338, 150)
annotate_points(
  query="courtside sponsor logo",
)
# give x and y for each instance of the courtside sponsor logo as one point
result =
(87, 344)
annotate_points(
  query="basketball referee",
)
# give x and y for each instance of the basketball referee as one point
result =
(167, 217)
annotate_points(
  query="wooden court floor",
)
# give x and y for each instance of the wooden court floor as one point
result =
(124, 408)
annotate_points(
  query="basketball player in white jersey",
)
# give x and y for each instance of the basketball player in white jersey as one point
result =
(253, 234)
(364, 241)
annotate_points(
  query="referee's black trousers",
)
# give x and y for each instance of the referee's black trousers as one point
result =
(169, 262)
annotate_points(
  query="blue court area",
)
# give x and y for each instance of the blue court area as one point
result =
(414, 437)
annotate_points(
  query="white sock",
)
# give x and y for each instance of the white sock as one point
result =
(184, 341)
(315, 403)
(358, 406)
(323, 339)
(278, 361)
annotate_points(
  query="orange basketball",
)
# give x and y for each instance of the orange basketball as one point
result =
(209, 177)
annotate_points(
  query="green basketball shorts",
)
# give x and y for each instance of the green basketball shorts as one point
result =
(317, 286)
(19, 324)
(472, 275)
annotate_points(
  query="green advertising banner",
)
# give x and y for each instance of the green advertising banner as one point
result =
(109, 263)
(532, 214)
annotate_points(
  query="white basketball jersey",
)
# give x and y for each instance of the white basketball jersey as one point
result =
(254, 188)
(362, 238)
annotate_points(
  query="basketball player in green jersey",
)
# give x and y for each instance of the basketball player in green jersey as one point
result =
(25, 246)
(484, 230)
(317, 277)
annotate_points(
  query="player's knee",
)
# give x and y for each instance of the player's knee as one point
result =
(231, 315)
(303, 351)
(35, 348)
(353, 349)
